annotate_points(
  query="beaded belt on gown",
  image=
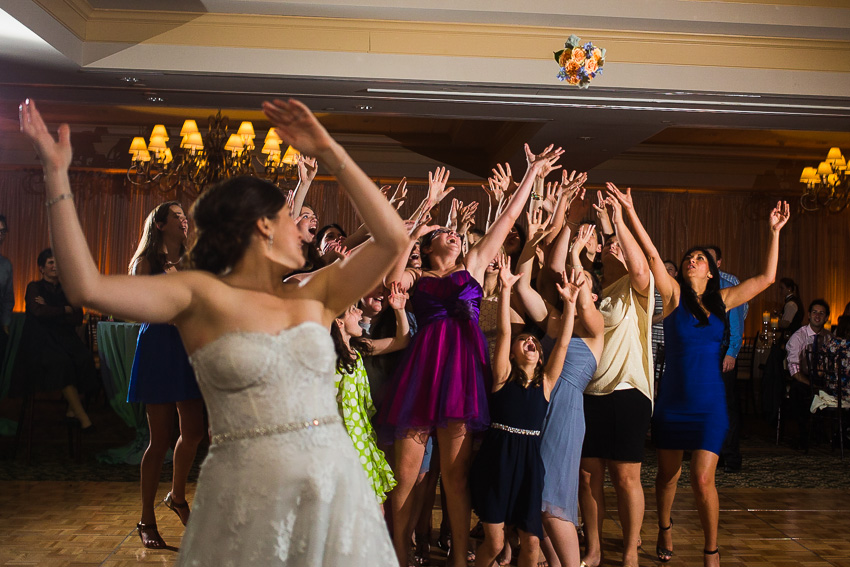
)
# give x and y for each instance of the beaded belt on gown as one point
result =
(274, 429)
(509, 429)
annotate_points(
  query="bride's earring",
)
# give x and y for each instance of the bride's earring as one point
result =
(271, 241)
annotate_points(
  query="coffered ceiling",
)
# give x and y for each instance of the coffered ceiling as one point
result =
(708, 94)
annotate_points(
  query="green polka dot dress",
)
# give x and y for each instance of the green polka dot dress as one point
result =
(356, 407)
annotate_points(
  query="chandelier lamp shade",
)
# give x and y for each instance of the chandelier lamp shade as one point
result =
(825, 186)
(202, 159)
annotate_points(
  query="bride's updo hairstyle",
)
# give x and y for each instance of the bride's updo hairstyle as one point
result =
(226, 216)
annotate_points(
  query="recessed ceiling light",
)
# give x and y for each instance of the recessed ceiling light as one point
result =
(363, 107)
(129, 80)
(585, 138)
(154, 98)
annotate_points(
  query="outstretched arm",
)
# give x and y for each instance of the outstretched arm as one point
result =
(635, 260)
(307, 168)
(396, 301)
(485, 249)
(502, 355)
(749, 288)
(568, 289)
(142, 299)
(667, 286)
(350, 279)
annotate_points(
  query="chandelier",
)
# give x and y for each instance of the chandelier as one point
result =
(826, 185)
(201, 160)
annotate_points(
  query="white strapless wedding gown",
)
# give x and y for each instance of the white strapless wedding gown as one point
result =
(282, 484)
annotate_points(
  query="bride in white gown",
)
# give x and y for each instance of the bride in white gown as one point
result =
(282, 484)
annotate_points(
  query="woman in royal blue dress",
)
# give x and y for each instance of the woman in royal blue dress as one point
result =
(690, 411)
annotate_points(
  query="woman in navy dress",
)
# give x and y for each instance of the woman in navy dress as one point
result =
(162, 377)
(690, 411)
(507, 475)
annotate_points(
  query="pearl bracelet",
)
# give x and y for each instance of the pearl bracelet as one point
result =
(50, 202)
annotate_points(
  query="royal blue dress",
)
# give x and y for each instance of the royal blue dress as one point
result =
(690, 411)
(506, 478)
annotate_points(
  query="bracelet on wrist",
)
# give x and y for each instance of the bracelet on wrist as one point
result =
(50, 202)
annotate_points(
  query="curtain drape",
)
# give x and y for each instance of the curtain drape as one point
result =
(815, 248)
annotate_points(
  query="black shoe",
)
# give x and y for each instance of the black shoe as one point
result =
(732, 469)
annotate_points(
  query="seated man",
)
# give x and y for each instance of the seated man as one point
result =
(51, 355)
(798, 343)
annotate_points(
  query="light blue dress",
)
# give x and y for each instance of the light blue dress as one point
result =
(563, 431)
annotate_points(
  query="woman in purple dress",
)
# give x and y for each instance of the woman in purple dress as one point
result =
(442, 383)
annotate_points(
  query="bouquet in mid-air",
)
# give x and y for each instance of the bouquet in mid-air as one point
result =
(579, 63)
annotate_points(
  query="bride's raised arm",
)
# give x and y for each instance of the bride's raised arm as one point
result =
(342, 283)
(143, 299)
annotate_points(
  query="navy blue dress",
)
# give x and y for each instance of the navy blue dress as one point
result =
(690, 411)
(506, 479)
(161, 371)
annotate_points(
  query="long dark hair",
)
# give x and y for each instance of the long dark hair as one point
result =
(518, 375)
(226, 216)
(346, 361)
(711, 298)
(150, 244)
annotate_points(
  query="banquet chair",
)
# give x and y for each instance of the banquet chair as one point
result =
(744, 380)
(828, 374)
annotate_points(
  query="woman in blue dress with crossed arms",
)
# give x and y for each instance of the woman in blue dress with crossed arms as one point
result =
(690, 411)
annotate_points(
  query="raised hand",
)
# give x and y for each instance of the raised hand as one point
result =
(55, 154)
(307, 169)
(506, 278)
(298, 127)
(503, 179)
(398, 297)
(616, 209)
(437, 189)
(538, 227)
(572, 184)
(585, 235)
(423, 228)
(779, 216)
(467, 214)
(452, 221)
(570, 285)
(400, 194)
(494, 191)
(550, 197)
(624, 199)
(290, 202)
(543, 162)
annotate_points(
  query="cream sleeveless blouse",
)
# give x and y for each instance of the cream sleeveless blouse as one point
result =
(626, 360)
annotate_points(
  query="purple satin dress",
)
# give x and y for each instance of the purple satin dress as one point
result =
(445, 373)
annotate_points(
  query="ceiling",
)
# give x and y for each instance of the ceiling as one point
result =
(696, 94)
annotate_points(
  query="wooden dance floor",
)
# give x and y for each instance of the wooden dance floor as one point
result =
(76, 524)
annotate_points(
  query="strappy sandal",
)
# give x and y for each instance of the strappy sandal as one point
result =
(150, 536)
(177, 507)
(715, 552)
(664, 555)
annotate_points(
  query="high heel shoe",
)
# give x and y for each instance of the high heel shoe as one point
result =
(715, 552)
(664, 554)
(177, 507)
(150, 536)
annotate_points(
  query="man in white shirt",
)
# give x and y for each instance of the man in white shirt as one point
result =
(801, 391)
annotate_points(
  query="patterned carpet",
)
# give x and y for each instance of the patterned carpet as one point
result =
(765, 465)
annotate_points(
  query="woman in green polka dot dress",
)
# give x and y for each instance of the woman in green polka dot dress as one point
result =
(353, 397)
